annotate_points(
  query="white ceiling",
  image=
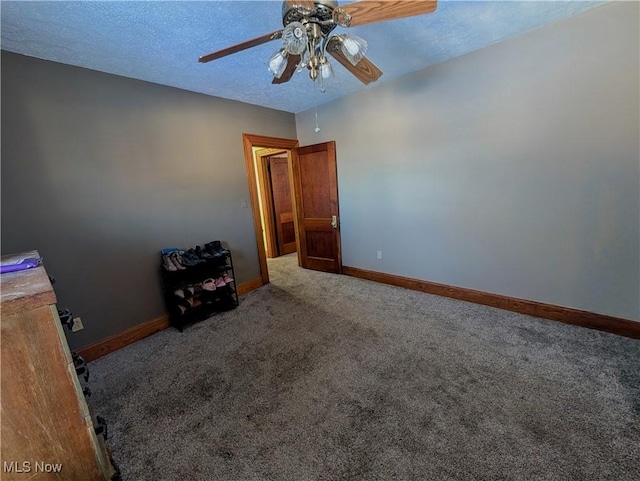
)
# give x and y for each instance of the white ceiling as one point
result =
(160, 41)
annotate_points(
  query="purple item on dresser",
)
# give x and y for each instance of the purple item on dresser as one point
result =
(22, 265)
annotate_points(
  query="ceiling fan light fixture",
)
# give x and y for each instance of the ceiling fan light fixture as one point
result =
(307, 37)
(353, 47)
(326, 70)
(294, 38)
(278, 63)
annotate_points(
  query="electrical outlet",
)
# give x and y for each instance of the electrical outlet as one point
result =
(379, 255)
(244, 203)
(77, 325)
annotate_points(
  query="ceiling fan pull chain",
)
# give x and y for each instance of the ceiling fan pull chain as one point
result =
(315, 107)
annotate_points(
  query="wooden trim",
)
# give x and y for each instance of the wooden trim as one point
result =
(336, 204)
(249, 286)
(118, 341)
(249, 141)
(136, 333)
(266, 193)
(568, 315)
(295, 199)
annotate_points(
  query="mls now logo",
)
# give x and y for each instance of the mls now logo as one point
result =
(28, 467)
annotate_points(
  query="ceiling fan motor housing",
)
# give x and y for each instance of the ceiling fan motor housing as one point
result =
(299, 13)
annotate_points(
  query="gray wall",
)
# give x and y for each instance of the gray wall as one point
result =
(513, 169)
(100, 172)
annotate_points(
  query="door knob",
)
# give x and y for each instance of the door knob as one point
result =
(334, 221)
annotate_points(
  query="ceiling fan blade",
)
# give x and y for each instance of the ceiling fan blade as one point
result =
(364, 70)
(241, 46)
(290, 69)
(371, 11)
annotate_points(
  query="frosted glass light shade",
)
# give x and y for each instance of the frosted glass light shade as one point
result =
(326, 70)
(294, 38)
(277, 63)
(354, 48)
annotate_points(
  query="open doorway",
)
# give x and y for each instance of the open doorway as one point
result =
(312, 173)
(261, 206)
(276, 201)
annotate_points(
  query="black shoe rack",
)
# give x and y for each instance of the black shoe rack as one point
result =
(198, 283)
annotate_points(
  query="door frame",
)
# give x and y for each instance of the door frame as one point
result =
(249, 141)
(266, 195)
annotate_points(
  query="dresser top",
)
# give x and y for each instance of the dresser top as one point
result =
(25, 290)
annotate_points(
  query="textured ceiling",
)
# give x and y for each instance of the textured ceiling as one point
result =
(160, 41)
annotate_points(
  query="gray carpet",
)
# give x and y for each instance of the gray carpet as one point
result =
(325, 377)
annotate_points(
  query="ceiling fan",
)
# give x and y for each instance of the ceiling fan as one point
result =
(307, 37)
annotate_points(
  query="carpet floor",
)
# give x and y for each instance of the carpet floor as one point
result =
(325, 377)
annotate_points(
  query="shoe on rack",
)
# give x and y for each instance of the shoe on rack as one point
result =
(215, 254)
(188, 303)
(220, 283)
(208, 297)
(202, 253)
(185, 293)
(209, 285)
(216, 246)
(227, 278)
(177, 260)
(190, 258)
(168, 264)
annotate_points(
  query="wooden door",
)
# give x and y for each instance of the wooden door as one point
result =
(315, 181)
(282, 205)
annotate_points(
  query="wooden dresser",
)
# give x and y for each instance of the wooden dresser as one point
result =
(46, 426)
